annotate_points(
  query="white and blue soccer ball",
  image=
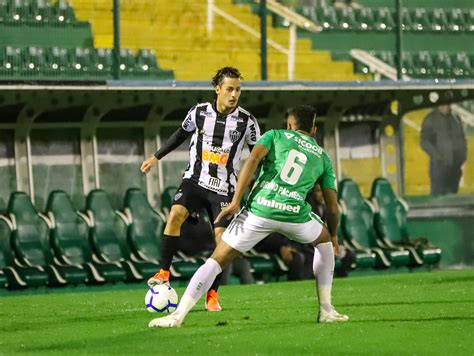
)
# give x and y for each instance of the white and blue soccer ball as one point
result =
(161, 299)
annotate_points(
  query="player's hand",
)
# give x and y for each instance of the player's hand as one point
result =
(335, 245)
(228, 212)
(148, 164)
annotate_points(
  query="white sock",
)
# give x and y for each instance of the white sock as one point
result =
(198, 285)
(323, 268)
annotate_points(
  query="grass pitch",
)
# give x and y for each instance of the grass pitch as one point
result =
(411, 313)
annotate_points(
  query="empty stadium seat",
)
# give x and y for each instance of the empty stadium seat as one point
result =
(390, 224)
(365, 258)
(357, 226)
(70, 240)
(146, 229)
(12, 274)
(109, 237)
(30, 241)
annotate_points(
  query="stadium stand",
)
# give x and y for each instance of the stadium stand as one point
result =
(41, 40)
(177, 31)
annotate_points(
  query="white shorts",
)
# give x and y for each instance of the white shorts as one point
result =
(247, 230)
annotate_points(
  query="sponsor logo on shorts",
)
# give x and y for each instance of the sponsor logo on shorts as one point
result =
(224, 204)
(177, 196)
(277, 205)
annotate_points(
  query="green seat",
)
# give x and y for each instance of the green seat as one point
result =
(391, 224)
(42, 11)
(146, 230)
(70, 242)
(109, 237)
(461, 65)
(408, 64)
(456, 20)
(366, 19)
(147, 66)
(103, 60)
(127, 64)
(30, 241)
(365, 258)
(442, 62)
(423, 64)
(63, 12)
(34, 62)
(58, 62)
(12, 274)
(384, 19)
(469, 16)
(439, 20)
(327, 18)
(357, 226)
(10, 61)
(421, 20)
(346, 19)
(82, 63)
(407, 21)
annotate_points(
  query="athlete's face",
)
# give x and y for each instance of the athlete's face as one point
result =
(228, 94)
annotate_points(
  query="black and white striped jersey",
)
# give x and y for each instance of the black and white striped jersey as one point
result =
(216, 145)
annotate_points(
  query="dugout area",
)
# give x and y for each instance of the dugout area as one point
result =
(88, 136)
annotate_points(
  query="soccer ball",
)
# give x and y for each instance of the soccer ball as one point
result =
(161, 298)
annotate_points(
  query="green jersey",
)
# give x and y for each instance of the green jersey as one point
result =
(294, 164)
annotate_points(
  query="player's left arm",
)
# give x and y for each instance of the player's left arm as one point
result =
(245, 177)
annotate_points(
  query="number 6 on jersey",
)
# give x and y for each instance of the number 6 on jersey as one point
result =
(292, 169)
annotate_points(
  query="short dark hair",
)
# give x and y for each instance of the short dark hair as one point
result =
(229, 72)
(305, 116)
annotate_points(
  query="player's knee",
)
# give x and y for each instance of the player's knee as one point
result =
(177, 218)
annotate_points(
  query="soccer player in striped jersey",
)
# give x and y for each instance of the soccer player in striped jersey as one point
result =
(218, 131)
(293, 163)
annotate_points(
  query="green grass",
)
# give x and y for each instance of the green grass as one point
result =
(411, 313)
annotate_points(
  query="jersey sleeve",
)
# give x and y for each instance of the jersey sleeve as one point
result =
(267, 139)
(252, 134)
(189, 123)
(328, 178)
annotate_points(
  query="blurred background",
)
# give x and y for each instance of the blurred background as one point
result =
(90, 88)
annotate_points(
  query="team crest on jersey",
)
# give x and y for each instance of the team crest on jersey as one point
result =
(234, 135)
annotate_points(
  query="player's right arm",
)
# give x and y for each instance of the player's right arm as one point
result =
(245, 177)
(177, 138)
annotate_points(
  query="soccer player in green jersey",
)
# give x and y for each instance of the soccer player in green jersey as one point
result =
(292, 164)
